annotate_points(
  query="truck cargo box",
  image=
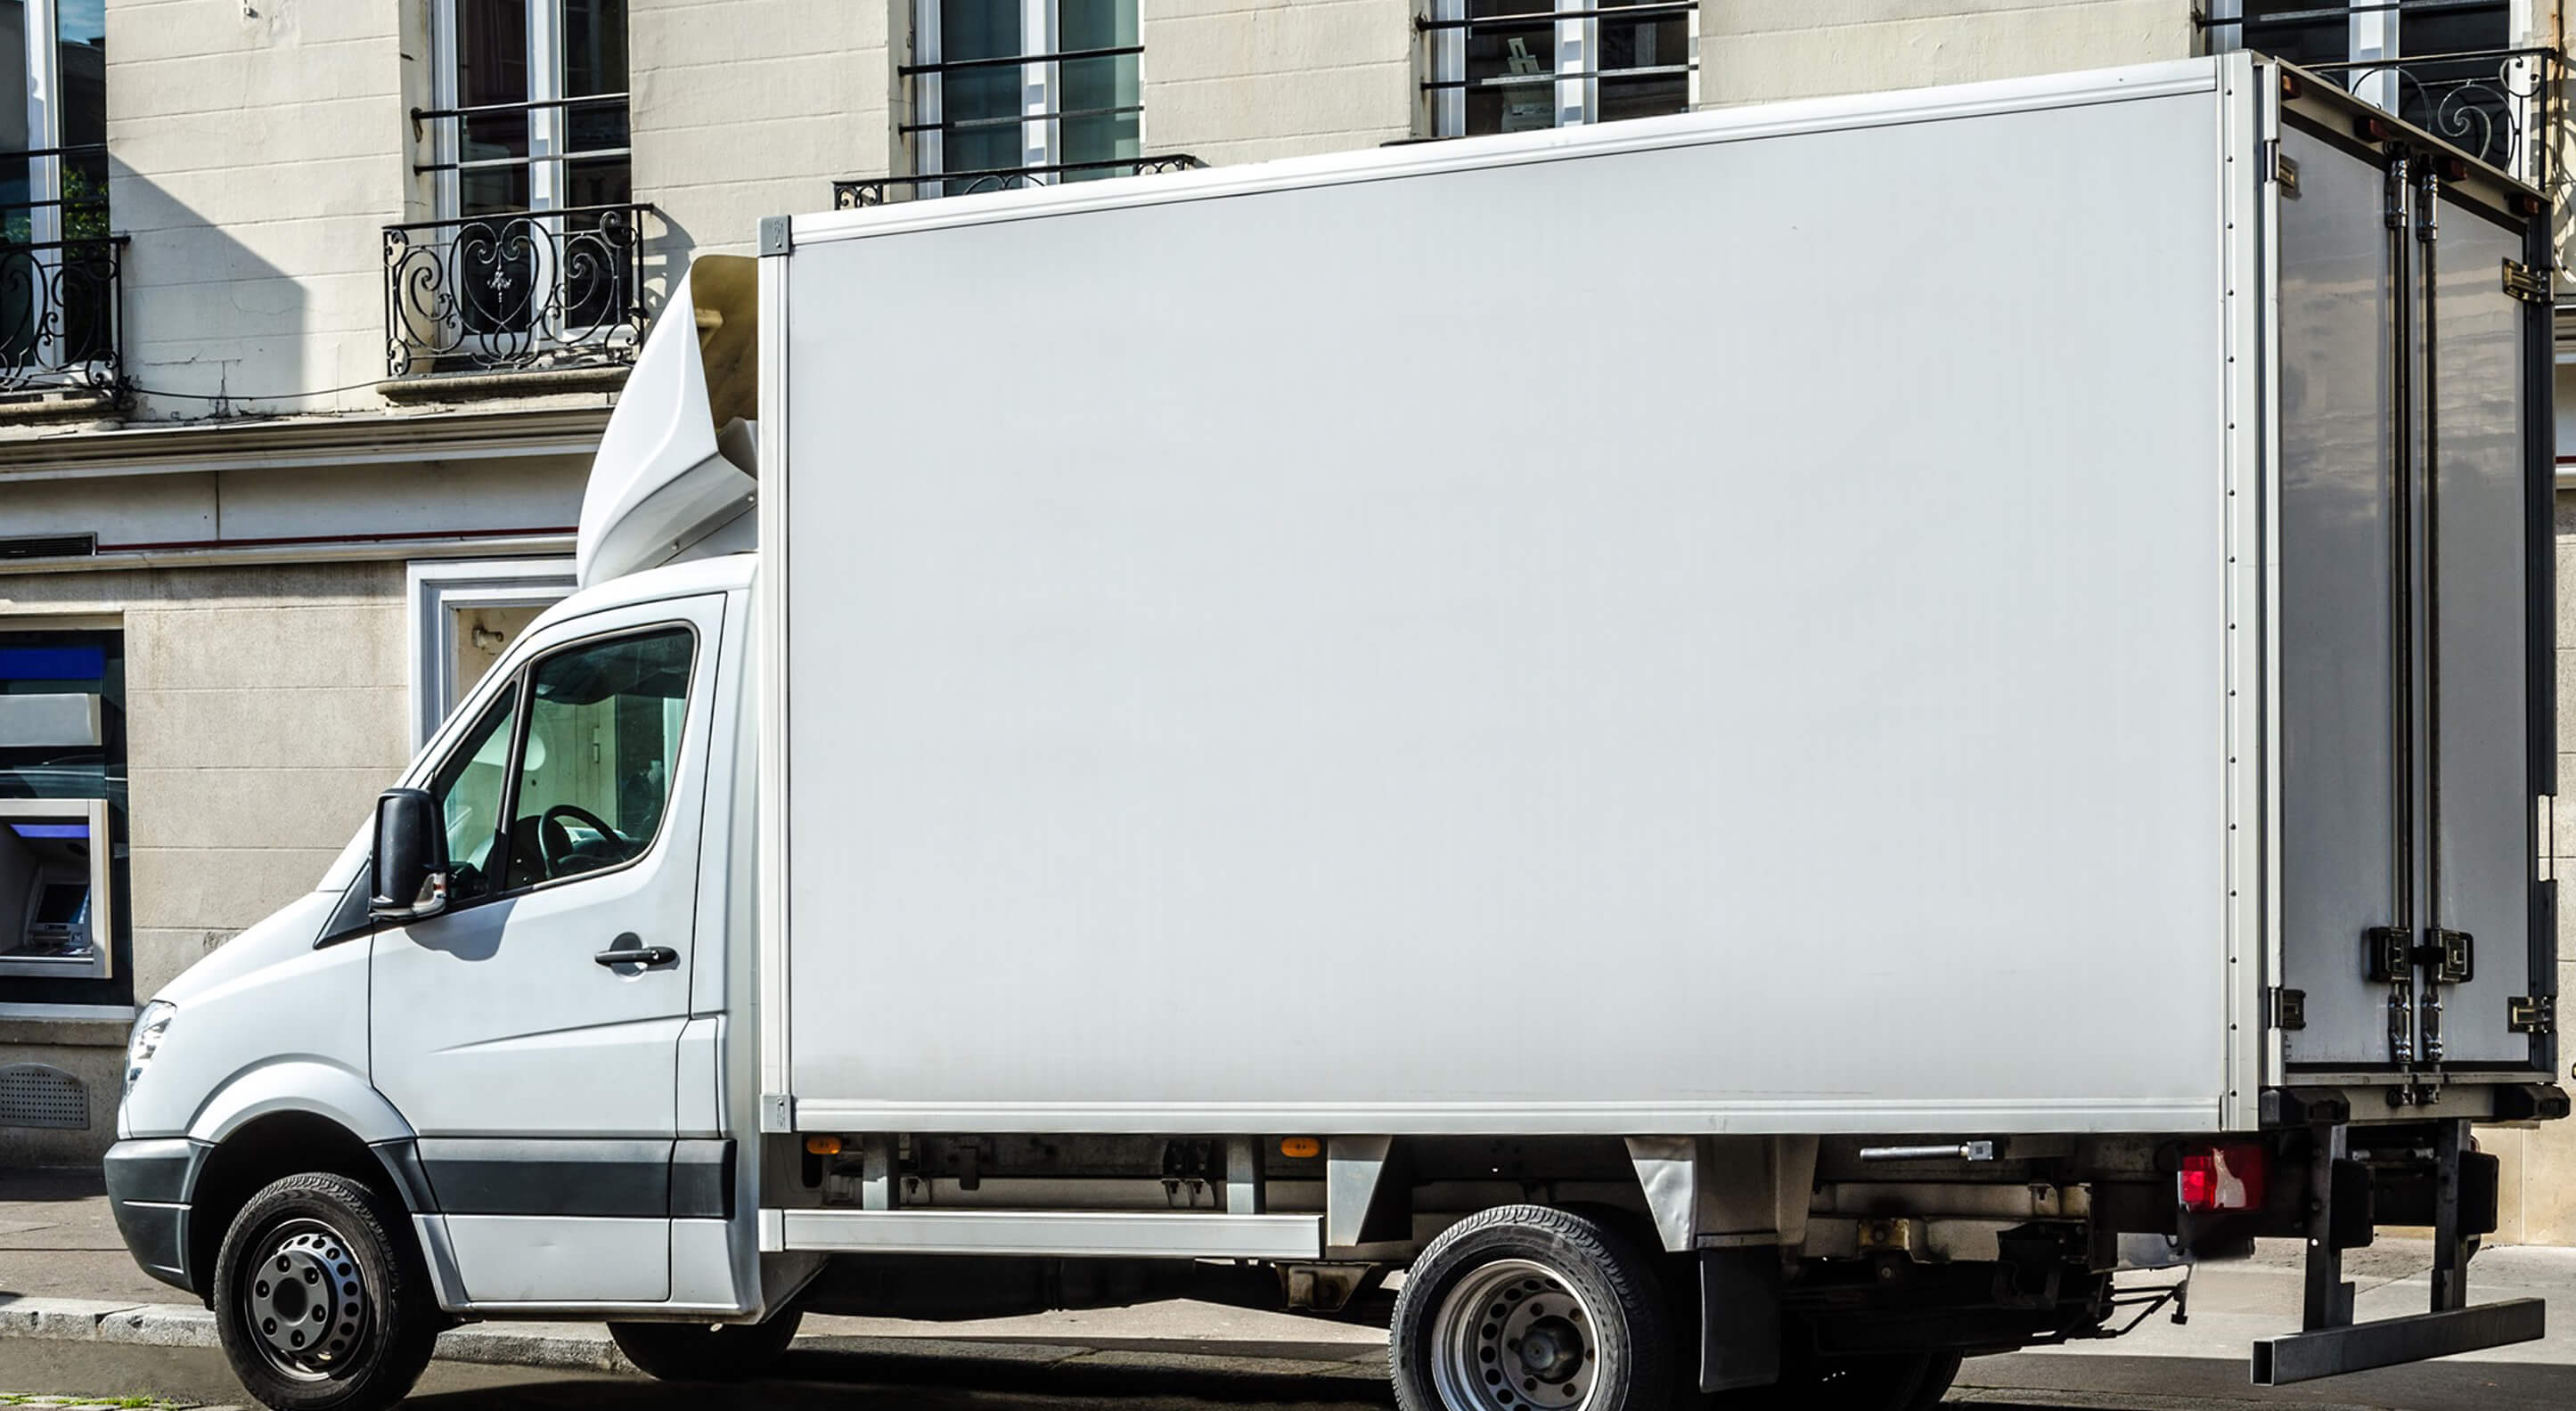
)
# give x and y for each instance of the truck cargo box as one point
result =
(2013, 609)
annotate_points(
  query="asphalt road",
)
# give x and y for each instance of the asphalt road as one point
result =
(819, 1381)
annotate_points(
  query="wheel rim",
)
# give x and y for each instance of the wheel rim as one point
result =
(305, 1301)
(1515, 1336)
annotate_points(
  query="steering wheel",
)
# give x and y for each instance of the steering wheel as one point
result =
(554, 841)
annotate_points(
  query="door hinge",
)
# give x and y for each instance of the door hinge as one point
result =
(2285, 1008)
(2285, 170)
(2531, 1014)
(2525, 283)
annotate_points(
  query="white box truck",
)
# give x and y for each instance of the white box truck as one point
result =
(1765, 747)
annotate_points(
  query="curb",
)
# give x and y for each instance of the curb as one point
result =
(1333, 1371)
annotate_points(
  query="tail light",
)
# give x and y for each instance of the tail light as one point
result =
(2224, 1176)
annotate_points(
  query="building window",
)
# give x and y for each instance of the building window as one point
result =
(57, 259)
(1038, 90)
(463, 615)
(534, 258)
(2447, 66)
(53, 120)
(1523, 65)
(62, 817)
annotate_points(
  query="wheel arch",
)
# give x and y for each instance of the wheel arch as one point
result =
(284, 1120)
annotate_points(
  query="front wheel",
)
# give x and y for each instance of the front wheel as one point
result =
(319, 1304)
(706, 1352)
(1530, 1308)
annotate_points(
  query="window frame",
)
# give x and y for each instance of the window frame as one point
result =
(2374, 33)
(520, 683)
(924, 135)
(1445, 27)
(101, 962)
(436, 590)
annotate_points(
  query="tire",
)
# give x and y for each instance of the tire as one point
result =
(707, 1352)
(1942, 1370)
(319, 1303)
(1528, 1308)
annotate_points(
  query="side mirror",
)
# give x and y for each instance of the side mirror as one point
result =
(411, 857)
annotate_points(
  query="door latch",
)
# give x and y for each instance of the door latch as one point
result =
(2525, 283)
(2531, 1014)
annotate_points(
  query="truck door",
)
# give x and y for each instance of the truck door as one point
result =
(2413, 740)
(530, 1032)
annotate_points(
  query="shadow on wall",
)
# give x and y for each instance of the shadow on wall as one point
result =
(208, 323)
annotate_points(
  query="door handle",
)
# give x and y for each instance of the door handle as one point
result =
(629, 949)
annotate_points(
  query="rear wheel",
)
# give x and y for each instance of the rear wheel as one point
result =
(1528, 1308)
(707, 1352)
(319, 1304)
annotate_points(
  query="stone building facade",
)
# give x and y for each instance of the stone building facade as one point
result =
(323, 303)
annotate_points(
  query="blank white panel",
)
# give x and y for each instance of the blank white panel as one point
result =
(1623, 643)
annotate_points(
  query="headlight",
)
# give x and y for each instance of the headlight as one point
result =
(146, 1038)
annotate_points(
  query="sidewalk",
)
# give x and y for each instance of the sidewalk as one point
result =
(65, 1274)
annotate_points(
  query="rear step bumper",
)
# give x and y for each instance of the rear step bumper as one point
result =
(2328, 1352)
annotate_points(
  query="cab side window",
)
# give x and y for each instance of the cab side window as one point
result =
(472, 789)
(603, 740)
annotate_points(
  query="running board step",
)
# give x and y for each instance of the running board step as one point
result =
(2329, 1352)
(1107, 1233)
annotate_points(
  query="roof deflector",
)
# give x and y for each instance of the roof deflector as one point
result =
(677, 462)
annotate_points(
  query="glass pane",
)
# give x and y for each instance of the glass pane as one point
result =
(2457, 31)
(2323, 39)
(492, 67)
(979, 107)
(978, 29)
(1093, 92)
(590, 127)
(600, 181)
(468, 789)
(493, 189)
(603, 740)
(1651, 42)
(1094, 129)
(1643, 96)
(594, 40)
(1511, 66)
(15, 191)
(80, 39)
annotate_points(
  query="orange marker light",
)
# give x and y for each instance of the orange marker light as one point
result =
(1300, 1147)
(823, 1146)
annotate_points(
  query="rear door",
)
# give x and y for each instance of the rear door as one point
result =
(2415, 724)
(2479, 665)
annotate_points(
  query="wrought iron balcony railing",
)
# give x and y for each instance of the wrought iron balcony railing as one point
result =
(886, 190)
(2498, 105)
(62, 315)
(515, 291)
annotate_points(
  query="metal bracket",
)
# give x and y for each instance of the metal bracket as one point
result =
(2285, 170)
(2531, 1014)
(777, 1112)
(777, 234)
(2286, 1008)
(2391, 953)
(2525, 283)
(2450, 955)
